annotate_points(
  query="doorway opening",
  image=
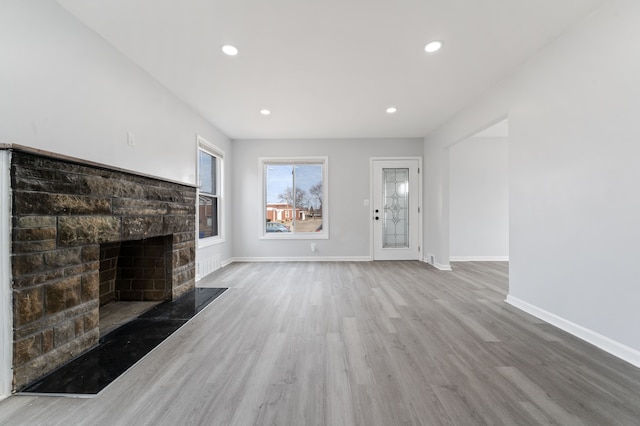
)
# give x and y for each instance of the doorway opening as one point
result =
(479, 196)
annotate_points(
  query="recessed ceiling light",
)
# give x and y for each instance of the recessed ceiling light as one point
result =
(392, 110)
(433, 46)
(230, 50)
(265, 112)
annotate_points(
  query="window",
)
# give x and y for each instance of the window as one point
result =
(294, 198)
(210, 160)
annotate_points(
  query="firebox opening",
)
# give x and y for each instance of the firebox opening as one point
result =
(133, 279)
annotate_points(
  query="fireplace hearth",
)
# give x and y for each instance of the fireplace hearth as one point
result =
(69, 218)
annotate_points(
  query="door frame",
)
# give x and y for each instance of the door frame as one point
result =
(371, 198)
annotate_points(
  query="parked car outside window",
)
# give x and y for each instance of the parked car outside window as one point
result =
(276, 227)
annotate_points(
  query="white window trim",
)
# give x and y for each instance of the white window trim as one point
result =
(6, 312)
(208, 147)
(324, 235)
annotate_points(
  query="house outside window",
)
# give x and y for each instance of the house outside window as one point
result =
(294, 202)
(210, 163)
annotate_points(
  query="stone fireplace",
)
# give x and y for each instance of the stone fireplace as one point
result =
(84, 235)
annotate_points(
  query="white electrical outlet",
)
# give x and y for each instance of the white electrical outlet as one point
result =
(366, 203)
(131, 140)
(313, 247)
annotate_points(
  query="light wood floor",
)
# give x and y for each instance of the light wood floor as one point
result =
(382, 343)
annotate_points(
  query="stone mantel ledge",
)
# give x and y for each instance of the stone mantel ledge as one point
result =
(71, 159)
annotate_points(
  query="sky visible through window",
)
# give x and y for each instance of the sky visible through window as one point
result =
(279, 177)
(207, 171)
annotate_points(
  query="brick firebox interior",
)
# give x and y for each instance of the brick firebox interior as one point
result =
(63, 210)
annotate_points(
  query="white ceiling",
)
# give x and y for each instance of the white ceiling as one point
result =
(330, 68)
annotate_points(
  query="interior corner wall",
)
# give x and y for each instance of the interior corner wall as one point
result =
(479, 199)
(435, 198)
(574, 152)
(66, 90)
(349, 185)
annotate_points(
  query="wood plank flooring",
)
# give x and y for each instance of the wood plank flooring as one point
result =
(367, 343)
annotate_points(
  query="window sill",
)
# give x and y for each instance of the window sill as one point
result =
(300, 236)
(211, 241)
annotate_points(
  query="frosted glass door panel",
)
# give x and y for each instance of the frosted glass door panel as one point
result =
(396, 208)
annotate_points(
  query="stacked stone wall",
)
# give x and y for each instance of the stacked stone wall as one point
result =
(62, 211)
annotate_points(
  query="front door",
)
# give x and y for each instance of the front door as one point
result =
(396, 209)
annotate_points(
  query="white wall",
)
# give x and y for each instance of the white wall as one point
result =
(64, 89)
(479, 199)
(574, 168)
(349, 186)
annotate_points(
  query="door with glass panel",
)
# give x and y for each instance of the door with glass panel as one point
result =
(396, 209)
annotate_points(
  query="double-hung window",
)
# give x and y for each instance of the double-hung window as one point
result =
(210, 159)
(294, 202)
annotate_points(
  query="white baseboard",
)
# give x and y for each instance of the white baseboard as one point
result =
(437, 265)
(301, 259)
(626, 353)
(226, 262)
(479, 258)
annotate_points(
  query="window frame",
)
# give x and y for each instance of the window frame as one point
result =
(214, 151)
(319, 160)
